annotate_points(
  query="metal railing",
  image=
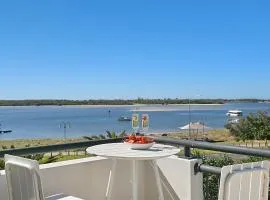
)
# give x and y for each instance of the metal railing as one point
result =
(57, 147)
(187, 144)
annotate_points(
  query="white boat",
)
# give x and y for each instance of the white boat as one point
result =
(123, 118)
(234, 113)
(233, 121)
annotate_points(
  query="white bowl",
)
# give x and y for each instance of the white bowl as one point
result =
(140, 146)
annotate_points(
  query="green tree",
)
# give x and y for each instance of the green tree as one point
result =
(253, 127)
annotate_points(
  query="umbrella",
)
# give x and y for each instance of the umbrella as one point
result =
(195, 126)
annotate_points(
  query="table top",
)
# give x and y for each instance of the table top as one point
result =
(123, 151)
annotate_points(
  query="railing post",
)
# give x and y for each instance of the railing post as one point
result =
(187, 151)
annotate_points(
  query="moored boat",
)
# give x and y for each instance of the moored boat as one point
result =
(234, 113)
(5, 131)
(123, 118)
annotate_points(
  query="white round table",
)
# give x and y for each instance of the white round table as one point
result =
(117, 151)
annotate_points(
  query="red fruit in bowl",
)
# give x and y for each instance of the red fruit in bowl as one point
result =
(144, 140)
(138, 137)
(132, 137)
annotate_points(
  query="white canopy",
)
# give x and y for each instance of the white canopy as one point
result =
(195, 126)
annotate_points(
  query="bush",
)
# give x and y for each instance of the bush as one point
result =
(254, 126)
(12, 146)
(211, 181)
(4, 147)
(2, 164)
(37, 156)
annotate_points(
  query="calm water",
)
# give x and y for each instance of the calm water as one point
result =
(43, 122)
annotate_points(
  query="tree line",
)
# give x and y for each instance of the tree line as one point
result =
(165, 101)
(108, 102)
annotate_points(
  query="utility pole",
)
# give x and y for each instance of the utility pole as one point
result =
(65, 125)
(189, 117)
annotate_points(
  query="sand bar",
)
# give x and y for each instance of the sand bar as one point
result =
(145, 106)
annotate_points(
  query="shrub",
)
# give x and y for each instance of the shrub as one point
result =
(4, 147)
(211, 181)
(254, 126)
(2, 164)
(37, 156)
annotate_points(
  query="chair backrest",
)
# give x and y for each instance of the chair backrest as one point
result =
(23, 179)
(249, 181)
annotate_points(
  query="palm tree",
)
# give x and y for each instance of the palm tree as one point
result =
(123, 133)
(109, 135)
(88, 137)
(102, 136)
(115, 135)
(94, 137)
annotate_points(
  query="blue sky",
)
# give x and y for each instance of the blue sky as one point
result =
(127, 49)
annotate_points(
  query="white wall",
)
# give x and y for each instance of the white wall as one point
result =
(180, 174)
(87, 178)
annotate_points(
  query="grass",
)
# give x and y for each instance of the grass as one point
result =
(60, 156)
(223, 136)
(216, 135)
(48, 159)
(202, 152)
(23, 143)
(220, 136)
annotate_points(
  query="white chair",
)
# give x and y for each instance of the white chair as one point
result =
(248, 181)
(24, 182)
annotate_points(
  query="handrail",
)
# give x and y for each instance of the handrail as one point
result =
(215, 147)
(207, 168)
(210, 146)
(57, 147)
(187, 144)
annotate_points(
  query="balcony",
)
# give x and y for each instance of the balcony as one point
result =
(87, 178)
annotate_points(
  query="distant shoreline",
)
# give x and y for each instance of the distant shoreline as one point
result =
(125, 102)
(107, 102)
(112, 106)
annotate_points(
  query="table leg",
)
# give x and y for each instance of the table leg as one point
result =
(158, 180)
(111, 179)
(135, 180)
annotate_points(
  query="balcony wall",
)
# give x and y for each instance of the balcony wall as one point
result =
(87, 178)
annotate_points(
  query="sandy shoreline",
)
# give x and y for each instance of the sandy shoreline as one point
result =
(24, 143)
(171, 107)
